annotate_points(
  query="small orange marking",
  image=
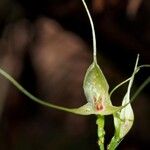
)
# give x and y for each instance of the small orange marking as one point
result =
(99, 106)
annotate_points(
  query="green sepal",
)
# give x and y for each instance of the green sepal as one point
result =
(123, 119)
(96, 91)
(86, 109)
(101, 106)
(95, 84)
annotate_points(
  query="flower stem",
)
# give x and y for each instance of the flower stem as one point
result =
(101, 132)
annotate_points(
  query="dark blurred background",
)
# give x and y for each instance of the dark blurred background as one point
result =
(46, 45)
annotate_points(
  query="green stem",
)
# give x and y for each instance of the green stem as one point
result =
(101, 132)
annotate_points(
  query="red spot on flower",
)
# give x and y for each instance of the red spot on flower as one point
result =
(99, 106)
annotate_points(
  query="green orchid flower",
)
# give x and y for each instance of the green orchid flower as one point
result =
(96, 90)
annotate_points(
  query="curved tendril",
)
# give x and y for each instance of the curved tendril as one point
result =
(142, 86)
(119, 85)
(144, 66)
(93, 31)
(128, 79)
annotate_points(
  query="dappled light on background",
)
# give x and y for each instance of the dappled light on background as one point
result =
(46, 46)
(133, 8)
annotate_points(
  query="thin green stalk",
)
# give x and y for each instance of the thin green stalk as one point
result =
(93, 31)
(100, 130)
(119, 85)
